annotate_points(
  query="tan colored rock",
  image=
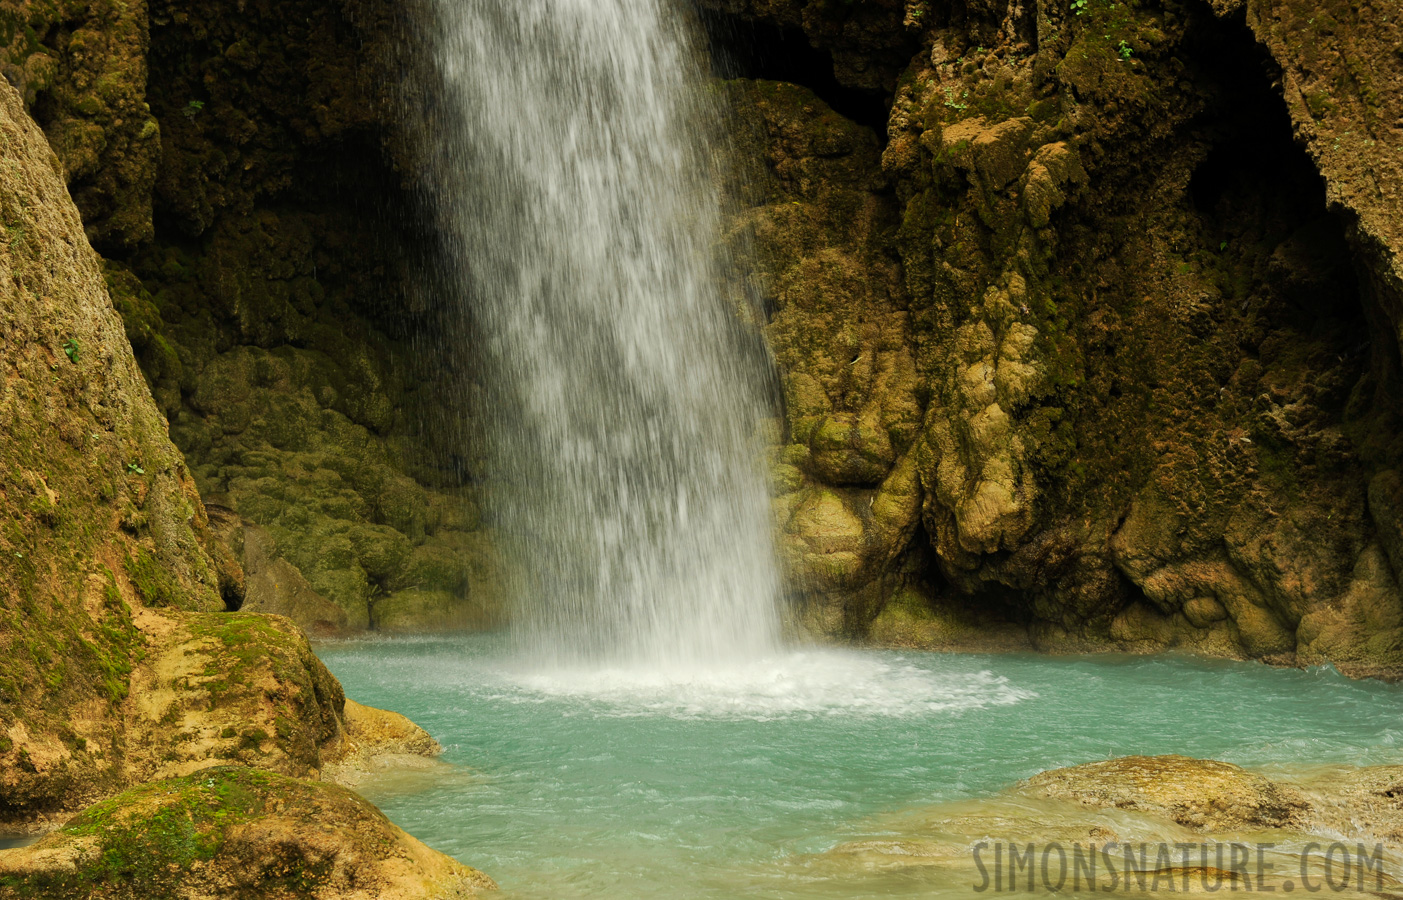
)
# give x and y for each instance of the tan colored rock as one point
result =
(1363, 804)
(1001, 152)
(1202, 794)
(236, 833)
(377, 740)
(275, 586)
(228, 688)
(1204, 611)
(825, 538)
(101, 514)
(1054, 171)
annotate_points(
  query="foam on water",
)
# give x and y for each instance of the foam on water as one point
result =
(809, 683)
(634, 783)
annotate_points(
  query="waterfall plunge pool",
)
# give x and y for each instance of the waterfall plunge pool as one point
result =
(645, 784)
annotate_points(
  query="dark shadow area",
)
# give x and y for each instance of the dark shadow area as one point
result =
(741, 48)
(1259, 195)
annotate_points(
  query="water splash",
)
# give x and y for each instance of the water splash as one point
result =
(577, 190)
(815, 683)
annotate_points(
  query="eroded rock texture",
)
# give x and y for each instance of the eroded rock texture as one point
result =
(1095, 342)
(1106, 346)
(238, 833)
(98, 508)
(243, 169)
(118, 661)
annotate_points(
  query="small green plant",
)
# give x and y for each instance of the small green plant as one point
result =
(134, 468)
(1080, 6)
(70, 347)
(192, 109)
(1125, 50)
(1223, 246)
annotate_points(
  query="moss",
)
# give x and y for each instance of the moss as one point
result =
(246, 651)
(154, 585)
(176, 823)
(175, 838)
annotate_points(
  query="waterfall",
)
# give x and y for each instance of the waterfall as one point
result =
(577, 186)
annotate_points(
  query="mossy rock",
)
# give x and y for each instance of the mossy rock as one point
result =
(238, 833)
(230, 687)
(98, 513)
(419, 611)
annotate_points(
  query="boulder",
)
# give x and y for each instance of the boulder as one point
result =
(1203, 794)
(234, 833)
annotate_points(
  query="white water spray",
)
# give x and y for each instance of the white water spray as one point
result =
(579, 195)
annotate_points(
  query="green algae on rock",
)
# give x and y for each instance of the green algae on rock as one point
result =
(1153, 382)
(81, 68)
(233, 832)
(98, 508)
(235, 127)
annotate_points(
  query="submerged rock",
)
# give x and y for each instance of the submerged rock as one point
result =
(234, 833)
(1169, 822)
(1366, 802)
(377, 740)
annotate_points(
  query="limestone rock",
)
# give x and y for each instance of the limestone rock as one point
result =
(414, 611)
(1364, 803)
(275, 586)
(235, 688)
(377, 740)
(1155, 375)
(1205, 795)
(235, 833)
(82, 70)
(1386, 507)
(101, 514)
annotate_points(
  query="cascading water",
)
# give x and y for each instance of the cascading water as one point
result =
(578, 192)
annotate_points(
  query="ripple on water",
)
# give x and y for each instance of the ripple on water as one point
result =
(629, 783)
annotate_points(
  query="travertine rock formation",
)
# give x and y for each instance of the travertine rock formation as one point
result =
(1106, 347)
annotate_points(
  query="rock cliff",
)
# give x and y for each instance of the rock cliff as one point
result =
(1100, 345)
(1093, 342)
(236, 165)
(119, 663)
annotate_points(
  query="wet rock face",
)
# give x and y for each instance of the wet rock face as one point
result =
(234, 832)
(82, 70)
(1122, 350)
(244, 169)
(100, 513)
(847, 498)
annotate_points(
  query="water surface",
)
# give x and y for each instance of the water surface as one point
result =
(641, 783)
